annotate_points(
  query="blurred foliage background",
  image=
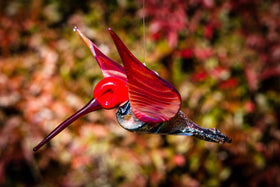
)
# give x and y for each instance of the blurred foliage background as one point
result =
(223, 56)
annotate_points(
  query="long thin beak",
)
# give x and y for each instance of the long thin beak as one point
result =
(90, 107)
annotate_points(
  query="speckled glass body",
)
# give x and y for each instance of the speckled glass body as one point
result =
(178, 125)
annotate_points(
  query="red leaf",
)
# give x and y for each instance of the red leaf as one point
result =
(186, 53)
(199, 77)
(229, 84)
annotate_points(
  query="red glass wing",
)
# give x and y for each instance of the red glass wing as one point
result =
(108, 67)
(152, 98)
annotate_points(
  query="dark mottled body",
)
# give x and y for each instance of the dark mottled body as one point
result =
(178, 125)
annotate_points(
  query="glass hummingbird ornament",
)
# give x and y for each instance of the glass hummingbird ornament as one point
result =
(146, 102)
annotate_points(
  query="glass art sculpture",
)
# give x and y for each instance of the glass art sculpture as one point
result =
(146, 102)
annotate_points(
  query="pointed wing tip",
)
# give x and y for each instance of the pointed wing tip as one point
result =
(112, 33)
(86, 40)
(77, 30)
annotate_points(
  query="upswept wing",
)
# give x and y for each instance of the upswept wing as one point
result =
(108, 67)
(152, 98)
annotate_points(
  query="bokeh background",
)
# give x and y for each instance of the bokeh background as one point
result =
(222, 56)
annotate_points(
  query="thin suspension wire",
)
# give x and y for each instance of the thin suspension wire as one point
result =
(144, 31)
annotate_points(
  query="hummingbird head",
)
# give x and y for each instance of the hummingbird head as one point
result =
(109, 93)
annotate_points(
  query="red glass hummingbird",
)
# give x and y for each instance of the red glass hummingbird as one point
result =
(146, 102)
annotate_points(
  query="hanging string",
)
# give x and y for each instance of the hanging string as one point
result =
(144, 31)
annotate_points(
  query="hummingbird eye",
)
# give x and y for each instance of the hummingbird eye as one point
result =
(111, 92)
